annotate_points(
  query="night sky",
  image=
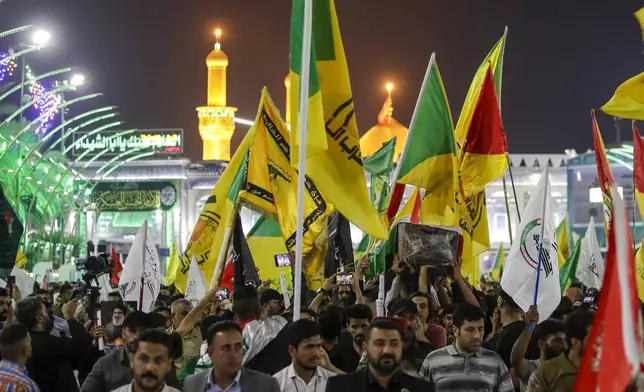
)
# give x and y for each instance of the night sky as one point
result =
(563, 57)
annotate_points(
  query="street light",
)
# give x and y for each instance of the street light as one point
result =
(77, 80)
(39, 39)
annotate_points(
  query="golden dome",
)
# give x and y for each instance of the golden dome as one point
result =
(217, 58)
(386, 129)
(379, 134)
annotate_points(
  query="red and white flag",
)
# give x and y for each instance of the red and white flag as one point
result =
(612, 359)
(118, 267)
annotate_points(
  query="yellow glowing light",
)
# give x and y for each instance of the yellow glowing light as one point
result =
(218, 34)
(389, 86)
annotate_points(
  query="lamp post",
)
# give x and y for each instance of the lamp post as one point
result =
(39, 39)
(76, 81)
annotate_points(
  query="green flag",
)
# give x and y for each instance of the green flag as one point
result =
(567, 272)
(379, 165)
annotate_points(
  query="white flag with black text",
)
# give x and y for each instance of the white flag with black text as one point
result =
(590, 267)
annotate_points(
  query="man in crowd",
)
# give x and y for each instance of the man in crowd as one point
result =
(560, 373)
(307, 370)
(435, 333)
(113, 370)
(417, 346)
(191, 338)
(61, 327)
(330, 321)
(114, 329)
(53, 359)
(150, 361)
(65, 295)
(384, 346)
(5, 303)
(551, 338)
(444, 368)
(346, 354)
(15, 346)
(272, 303)
(226, 351)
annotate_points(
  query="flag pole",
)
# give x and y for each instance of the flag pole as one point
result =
(301, 172)
(546, 195)
(507, 207)
(144, 250)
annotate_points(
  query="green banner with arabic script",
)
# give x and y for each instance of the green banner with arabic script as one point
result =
(134, 196)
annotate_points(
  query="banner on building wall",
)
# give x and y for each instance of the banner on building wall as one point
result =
(134, 196)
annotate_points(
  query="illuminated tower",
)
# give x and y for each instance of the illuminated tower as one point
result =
(216, 121)
(287, 84)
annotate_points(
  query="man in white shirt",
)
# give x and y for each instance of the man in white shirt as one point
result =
(310, 368)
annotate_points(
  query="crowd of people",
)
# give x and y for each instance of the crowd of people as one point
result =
(438, 334)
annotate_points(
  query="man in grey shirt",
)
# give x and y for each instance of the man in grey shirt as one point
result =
(113, 370)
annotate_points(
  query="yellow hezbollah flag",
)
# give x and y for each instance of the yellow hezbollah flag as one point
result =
(499, 263)
(265, 242)
(337, 170)
(271, 185)
(628, 100)
(494, 59)
(173, 265)
(563, 244)
(217, 214)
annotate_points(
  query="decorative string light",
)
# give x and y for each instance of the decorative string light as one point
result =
(7, 67)
(46, 102)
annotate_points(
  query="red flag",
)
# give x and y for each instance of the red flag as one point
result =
(44, 285)
(227, 276)
(612, 359)
(118, 267)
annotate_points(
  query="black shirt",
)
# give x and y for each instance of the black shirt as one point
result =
(506, 339)
(415, 354)
(364, 381)
(343, 355)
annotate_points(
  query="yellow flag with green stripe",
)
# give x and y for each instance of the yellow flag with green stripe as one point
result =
(563, 243)
(265, 242)
(337, 168)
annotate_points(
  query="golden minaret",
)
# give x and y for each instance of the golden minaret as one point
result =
(216, 121)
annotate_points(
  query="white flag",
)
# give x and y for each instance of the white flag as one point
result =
(520, 272)
(590, 268)
(141, 265)
(196, 285)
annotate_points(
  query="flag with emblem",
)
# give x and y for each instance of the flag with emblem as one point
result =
(614, 345)
(429, 156)
(266, 243)
(590, 268)
(530, 251)
(270, 184)
(196, 286)
(337, 169)
(604, 173)
(215, 219)
(379, 166)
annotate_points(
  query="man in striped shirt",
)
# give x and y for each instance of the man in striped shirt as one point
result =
(15, 346)
(465, 365)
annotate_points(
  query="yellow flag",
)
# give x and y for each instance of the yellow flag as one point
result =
(640, 18)
(21, 259)
(337, 169)
(563, 243)
(628, 100)
(217, 214)
(173, 265)
(271, 185)
(639, 271)
(499, 263)
(265, 242)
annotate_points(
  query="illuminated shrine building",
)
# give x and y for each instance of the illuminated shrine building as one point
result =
(385, 130)
(216, 121)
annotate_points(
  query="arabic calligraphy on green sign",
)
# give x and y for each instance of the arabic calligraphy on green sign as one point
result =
(134, 197)
(162, 141)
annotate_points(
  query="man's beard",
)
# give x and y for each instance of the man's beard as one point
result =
(551, 353)
(49, 325)
(148, 375)
(382, 368)
(359, 339)
(117, 321)
(309, 368)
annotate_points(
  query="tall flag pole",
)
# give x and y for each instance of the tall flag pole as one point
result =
(604, 174)
(301, 164)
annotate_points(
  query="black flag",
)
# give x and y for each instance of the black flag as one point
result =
(11, 230)
(340, 250)
(244, 266)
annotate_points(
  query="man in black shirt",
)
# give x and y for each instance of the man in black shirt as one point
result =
(347, 353)
(384, 349)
